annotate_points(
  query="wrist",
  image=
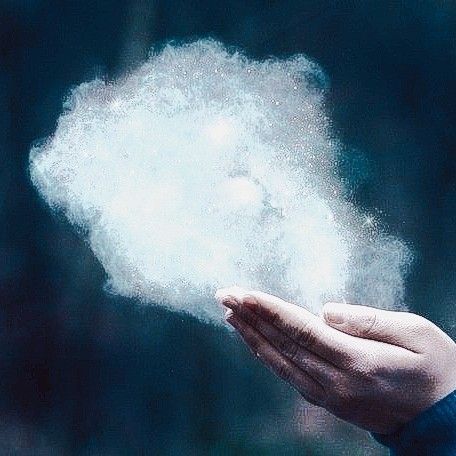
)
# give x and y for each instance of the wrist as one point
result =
(435, 424)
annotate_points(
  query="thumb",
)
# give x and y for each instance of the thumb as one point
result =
(404, 329)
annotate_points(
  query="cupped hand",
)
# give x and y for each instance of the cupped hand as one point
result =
(374, 368)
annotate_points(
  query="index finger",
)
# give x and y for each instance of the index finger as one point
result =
(305, 328)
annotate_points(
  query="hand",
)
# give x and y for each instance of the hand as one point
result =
(374, 368)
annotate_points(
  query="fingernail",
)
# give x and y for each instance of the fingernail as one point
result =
(249, 300)
(334, 313)
(231, 319)
(230, 302)
(234, 291)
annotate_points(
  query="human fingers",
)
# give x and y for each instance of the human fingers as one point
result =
(404, 329)
(303, 327)
(278, 363)
(318, 368)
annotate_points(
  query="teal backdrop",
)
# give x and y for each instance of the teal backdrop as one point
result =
(82, 372)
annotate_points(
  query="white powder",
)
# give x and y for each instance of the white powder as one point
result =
(202, 169)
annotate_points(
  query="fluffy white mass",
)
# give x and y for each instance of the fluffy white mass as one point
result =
(203, 169)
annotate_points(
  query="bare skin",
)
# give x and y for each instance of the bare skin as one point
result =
(374, 368)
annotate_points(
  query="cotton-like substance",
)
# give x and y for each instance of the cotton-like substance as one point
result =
(202, 169)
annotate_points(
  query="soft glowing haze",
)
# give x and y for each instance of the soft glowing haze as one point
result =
(202, 169)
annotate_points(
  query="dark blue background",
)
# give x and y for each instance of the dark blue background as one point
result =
(85, 373)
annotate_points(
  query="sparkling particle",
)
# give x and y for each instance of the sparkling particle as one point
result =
(187, 184)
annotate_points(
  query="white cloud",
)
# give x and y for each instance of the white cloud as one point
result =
(203, 169)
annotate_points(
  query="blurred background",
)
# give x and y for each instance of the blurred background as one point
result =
(84, 373)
